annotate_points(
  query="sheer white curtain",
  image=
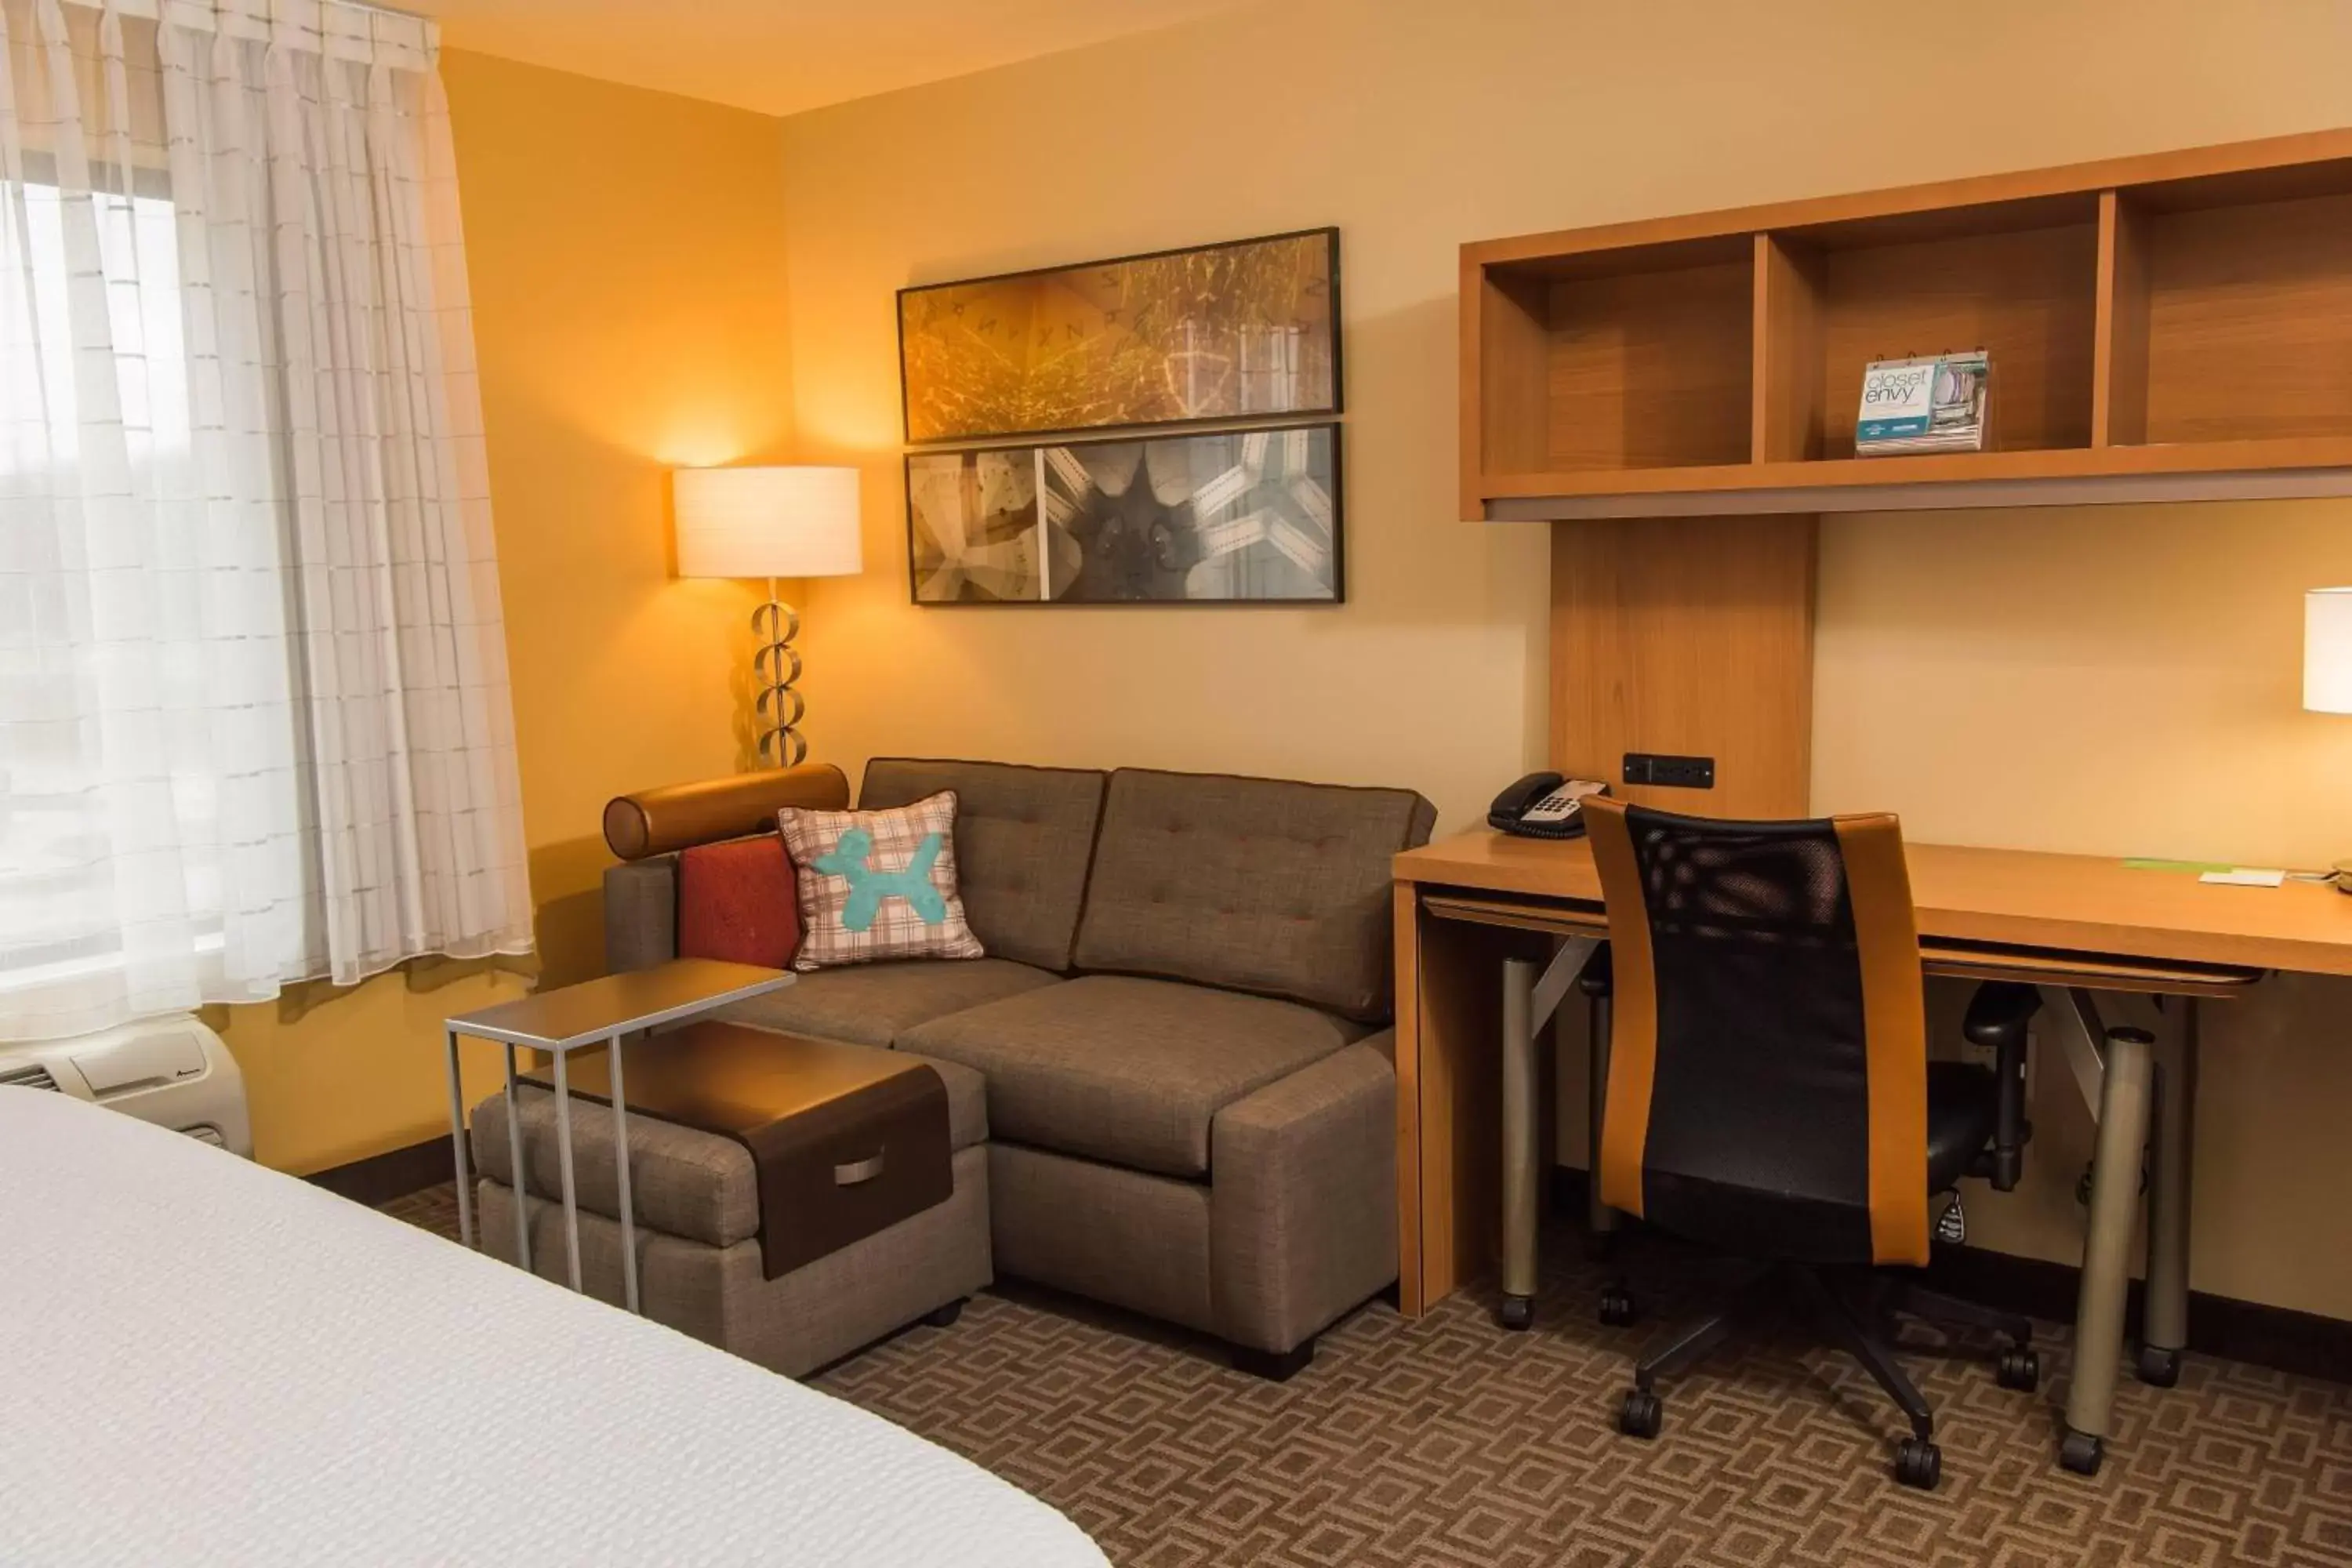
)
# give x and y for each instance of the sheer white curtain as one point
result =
(253, 714)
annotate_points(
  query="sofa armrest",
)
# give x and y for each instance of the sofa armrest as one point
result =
(641, 914)
(1303, 1202)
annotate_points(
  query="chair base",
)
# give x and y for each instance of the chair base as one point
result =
(1860, 1309)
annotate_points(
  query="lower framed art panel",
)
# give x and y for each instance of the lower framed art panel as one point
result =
(1237, 517)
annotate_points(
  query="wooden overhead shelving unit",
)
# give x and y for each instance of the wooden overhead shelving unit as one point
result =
(2173, 326)
(2170, 327)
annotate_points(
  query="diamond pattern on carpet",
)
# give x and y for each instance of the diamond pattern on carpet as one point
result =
(1449, 1443)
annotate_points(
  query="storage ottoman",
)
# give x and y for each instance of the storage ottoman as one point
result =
(700, 1262)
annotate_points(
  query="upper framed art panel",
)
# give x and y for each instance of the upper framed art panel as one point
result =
(1246, 330)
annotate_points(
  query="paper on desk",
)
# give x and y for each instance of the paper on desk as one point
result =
(2244, 877)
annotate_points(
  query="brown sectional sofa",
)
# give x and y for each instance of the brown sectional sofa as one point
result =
(1190, 1100)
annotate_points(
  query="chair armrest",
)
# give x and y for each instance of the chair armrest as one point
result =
(1303, 1204)
(641, 914)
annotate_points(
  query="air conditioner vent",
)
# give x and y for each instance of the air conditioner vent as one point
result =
(29, 1075)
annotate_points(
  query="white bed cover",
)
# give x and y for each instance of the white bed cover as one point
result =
(205, 1362)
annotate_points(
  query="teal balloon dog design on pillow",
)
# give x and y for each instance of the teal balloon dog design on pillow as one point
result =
(868, 886)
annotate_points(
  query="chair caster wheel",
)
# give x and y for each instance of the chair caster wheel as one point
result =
(1516, 1312)
(1617, 1307)
(2159, 1369)
(2081, 1453)
(1918, 1463)
(942, 1317)
(2020, 1368)
(1641, 1415)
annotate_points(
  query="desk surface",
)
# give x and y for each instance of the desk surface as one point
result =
(2083, 903)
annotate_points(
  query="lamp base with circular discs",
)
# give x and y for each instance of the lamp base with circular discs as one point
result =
(777, 708)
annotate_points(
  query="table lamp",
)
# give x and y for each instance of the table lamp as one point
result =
(769, 523)
(2328, 668)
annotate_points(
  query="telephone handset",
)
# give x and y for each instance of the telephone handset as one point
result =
(1543, 806)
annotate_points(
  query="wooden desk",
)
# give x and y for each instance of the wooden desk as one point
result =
(2010, 897)
(2071, 923)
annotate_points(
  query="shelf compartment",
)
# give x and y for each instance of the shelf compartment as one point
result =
(2240, 326)
(1624, 359)
(2019, 281)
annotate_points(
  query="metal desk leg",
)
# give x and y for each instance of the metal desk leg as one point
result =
(621, 1164)
(2124, 1095)
(1521, 1120)
(520, 1190)
(2165, 1332)
(1530, 999)
(457, 1143)
(563, 1166)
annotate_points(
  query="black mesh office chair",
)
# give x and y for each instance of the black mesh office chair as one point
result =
(1769, 1092)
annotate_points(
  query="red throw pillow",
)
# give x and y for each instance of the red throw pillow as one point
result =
(736, 901)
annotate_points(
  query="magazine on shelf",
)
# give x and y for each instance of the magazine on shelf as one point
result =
(1935, 404)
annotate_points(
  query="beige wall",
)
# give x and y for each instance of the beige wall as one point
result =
(2110, 680)
(625, 250)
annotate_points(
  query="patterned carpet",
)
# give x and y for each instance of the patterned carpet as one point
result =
(1448, 1443)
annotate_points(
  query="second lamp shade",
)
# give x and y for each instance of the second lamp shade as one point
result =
(767, 522)
(2328, 650)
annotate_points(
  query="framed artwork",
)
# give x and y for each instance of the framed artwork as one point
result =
(1246, 329)
(1236, 516)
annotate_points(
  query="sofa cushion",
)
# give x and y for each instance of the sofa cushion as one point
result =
(735, 902)
(1023, 836)
(874, 1003)
(1255, 884)
(684, 1181)
(1125, 1070)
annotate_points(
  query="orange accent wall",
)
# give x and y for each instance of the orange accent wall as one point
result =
(626, 252)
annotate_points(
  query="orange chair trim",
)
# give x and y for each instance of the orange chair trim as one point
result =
(1633, 1032)
(1894, 1027)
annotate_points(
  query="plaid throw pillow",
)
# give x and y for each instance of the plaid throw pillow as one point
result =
(878, 884)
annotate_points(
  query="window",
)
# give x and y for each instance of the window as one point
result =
(68, 640)
(254, 721)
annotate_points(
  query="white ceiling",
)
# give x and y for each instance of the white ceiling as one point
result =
(781, 56)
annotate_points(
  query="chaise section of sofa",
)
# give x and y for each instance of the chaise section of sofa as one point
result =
(695, 1197)
(1189, 1097)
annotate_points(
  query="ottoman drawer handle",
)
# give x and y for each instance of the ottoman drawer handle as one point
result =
(858, 1171)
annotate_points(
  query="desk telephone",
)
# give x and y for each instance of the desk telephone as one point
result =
(1543, 806)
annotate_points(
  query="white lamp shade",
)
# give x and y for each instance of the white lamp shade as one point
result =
(767, 522)
(2328, 650)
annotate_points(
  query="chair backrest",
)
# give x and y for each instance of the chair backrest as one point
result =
(1768, 1069)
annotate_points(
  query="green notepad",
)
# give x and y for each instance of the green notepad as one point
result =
(2194, 867)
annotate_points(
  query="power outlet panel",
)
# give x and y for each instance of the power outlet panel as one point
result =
(1677, 772)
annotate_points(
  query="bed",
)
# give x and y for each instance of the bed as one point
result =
(210, 1362)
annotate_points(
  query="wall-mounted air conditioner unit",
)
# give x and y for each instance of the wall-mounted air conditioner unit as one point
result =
(172, 1072)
